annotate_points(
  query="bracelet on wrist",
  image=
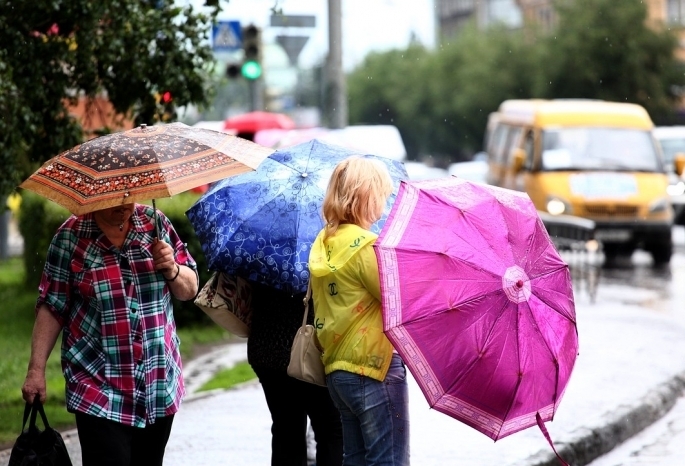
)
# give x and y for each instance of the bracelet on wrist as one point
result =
(178, 270)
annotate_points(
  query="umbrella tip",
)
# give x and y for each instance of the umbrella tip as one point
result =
(143, 127)
(519, 284)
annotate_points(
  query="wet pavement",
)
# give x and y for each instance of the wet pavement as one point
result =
(629, 375)
(630, 372)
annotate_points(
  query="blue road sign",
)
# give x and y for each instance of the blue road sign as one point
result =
(227, 36)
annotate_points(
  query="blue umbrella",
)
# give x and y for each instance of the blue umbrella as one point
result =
(261, 225)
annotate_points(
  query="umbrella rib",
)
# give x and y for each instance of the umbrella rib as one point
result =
(478, 250)
(549, 303)
(520, 372)
(536, 328)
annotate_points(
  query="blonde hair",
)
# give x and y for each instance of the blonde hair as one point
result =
(357, 192)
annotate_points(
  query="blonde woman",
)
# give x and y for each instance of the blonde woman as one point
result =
(365, 377)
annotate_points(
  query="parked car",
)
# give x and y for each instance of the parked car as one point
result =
(672, 141)
(420, 171)
(380, 140)
(475, 170)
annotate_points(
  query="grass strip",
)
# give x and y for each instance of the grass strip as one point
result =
(17, 318)
(227, 378)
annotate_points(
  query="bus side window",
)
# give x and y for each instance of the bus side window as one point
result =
(529, 148)
(513, 142)
(495, 147)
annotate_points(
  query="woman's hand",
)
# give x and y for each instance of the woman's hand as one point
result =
(34, 384)
(182, 280)
(163, 256)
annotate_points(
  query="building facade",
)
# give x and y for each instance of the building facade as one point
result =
(453, 15)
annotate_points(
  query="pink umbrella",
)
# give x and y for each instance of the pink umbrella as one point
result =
(256, 121)
(478, 303)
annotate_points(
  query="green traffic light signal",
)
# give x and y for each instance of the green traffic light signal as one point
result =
(251, 70)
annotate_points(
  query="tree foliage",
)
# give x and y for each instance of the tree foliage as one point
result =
(57, 51)
(388, 89)
(440, 100)
(604, 49)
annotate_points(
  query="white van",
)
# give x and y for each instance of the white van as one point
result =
(672, 141)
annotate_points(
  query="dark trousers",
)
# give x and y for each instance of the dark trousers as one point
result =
(109, 443)
(290, 401)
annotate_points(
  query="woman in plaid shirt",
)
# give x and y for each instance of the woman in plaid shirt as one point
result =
(107, 286)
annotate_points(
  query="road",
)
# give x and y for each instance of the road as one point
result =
(661, 292)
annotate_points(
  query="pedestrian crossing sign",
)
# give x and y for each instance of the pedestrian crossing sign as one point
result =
(227, 36)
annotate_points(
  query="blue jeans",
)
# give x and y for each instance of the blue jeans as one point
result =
(375, 416)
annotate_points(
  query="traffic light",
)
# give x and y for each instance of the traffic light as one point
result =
(252, 48)
(233, 70)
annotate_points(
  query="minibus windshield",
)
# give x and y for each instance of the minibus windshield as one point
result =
(615, 149)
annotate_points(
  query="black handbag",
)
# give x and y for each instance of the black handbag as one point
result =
(35, 447)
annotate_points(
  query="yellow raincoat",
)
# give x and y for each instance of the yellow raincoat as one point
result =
(346, 291)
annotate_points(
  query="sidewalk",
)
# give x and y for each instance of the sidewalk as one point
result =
(629, 373)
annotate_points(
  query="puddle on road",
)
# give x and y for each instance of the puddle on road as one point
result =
(634, 281)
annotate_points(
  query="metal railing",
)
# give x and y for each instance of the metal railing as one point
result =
(574, 238)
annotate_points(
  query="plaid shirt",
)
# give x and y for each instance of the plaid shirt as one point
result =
(120, 351)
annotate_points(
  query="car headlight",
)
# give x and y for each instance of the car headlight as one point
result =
(676, 189)
(556, 206)
(660, 205)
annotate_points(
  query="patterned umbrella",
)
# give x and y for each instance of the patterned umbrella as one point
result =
(141, 164)
(261, 225)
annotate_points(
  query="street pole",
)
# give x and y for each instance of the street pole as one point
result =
(256, 92)
(337, 93)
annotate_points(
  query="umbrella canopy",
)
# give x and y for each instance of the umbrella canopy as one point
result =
(256, 121)
(141, 164)
(261, 225)
(478, 302)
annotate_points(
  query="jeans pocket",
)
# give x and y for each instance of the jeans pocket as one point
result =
(397, 373)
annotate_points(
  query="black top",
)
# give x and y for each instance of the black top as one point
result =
(276, 316)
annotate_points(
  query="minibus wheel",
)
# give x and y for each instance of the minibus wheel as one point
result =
(661, 251)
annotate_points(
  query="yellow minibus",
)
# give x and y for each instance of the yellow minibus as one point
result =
(591, 159)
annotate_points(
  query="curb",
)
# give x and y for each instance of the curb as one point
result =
(621, 425)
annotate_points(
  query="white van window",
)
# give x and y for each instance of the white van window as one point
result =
(671, 147)
(614, 149)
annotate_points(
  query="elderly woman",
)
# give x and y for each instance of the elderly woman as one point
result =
(107, 287)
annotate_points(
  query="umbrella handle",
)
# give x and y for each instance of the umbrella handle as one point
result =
(154, 206)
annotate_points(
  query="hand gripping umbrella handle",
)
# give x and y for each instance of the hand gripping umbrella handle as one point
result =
(542, 427)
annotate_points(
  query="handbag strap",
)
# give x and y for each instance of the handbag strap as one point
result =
(27, 411)
(39, 408)
(306, 302)
(34, 409)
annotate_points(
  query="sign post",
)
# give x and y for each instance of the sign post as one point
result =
(293, 45)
